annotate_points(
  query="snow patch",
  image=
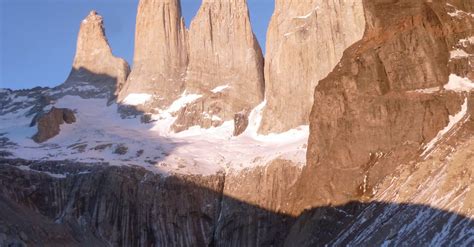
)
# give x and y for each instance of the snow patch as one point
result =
(459, 84)
(99, 132)
(220, 88)
(135, 99)
(428, 90)
(453, 120)
(459, 53)
(458, 13)
(184, 100)
(466, 41)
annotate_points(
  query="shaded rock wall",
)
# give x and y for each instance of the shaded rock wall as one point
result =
(261, 193)
(111, 205)
(133, 207)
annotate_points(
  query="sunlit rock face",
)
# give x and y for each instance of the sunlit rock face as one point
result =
(225, 65)
(160, 57)
(219, 59)
(388, 98)
(389, 153)
(94, 62)
(305, 41)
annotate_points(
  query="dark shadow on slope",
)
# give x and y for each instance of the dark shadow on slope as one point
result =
(99, 205)
(87, 84)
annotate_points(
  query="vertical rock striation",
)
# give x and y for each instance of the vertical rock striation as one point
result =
(94, 62)
(225, 64)
(108, 206)
(259, 216)
(305, 41)
(160, 57)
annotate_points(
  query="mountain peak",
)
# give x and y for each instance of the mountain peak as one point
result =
(93, 17)
(94, 61)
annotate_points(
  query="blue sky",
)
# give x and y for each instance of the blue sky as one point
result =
(38, 37)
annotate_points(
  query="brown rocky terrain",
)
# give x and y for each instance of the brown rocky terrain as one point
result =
(374, 112)
(50, 122)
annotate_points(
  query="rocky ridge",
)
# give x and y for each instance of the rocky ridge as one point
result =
(391, 134)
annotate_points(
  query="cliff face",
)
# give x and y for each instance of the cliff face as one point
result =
(94, 62)
(80, 205)
(225, 65)
(389, 152)
(383, 105)
(219, 59)
(394, 211)
(160, 57)
(305, 41)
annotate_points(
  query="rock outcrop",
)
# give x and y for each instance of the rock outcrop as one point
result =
(219, 59)
(395, 212)
(389, 153)
(305, 41)
(160, 58)
(225, 65)
(94, 62)
(383, 104)
(49, 123)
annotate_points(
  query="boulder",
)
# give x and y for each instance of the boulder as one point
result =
(49, 123)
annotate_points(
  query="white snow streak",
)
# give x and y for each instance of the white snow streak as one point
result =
(135, 99)
(459, 84)
(220, 88)
(183, 101)
(453, 120)
(466, 41)
(458, 13)
(459, 53)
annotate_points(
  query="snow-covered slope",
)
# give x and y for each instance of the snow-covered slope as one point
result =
(102, 135)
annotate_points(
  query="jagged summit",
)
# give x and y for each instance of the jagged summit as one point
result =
(218, 60)
(386, 161)
(94, 17)
(225, 65)
(94, 62)
(161, 55)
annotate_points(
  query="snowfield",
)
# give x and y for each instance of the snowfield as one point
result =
(101, 135)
